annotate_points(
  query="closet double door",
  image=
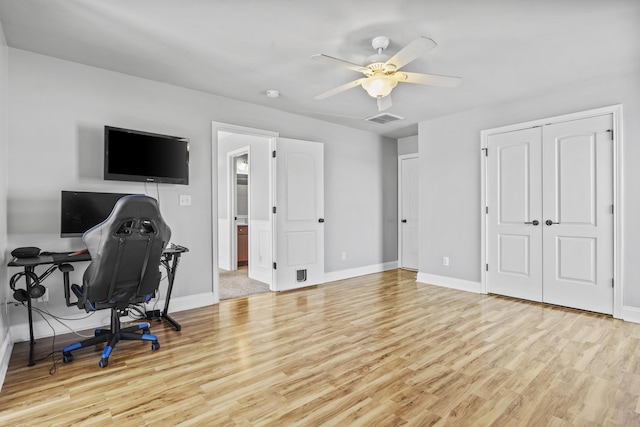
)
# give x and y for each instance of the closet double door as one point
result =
(550, 214)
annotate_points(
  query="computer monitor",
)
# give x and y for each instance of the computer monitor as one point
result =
(81, 210)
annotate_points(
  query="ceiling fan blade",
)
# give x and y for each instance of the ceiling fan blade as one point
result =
(429, 79)
(384, 102)
(339, 62)
(341, 88)
(418, 47)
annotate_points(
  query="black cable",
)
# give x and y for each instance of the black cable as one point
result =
(57, 319)
(54, 366)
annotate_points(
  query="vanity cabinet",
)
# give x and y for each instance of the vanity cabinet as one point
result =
(243, 245)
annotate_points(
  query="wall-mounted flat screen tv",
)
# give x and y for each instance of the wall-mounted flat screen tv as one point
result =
(132, 155)
(81, 210)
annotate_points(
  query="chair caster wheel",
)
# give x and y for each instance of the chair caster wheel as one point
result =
(103, 363)
(146, 331)
(67, 358)
(155, 345)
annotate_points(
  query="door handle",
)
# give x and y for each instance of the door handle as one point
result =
(321, 220)
(534, 222)
(404, 220)
(549, 222)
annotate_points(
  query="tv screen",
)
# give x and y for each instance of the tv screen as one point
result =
(131, 155)
(81, 210)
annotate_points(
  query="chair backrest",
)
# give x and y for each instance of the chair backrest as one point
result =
(125, 254)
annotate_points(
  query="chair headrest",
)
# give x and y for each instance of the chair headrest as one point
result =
(136, 213)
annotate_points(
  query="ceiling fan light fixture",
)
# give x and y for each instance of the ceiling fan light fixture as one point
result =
(379, 85)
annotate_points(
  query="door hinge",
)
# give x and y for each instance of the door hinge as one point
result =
(486, 151)
(273, 154)
(275, 266)
(612, 282)
(274, 209)
(486, 267)
(486, 209)
(612, 209)
(611, 133)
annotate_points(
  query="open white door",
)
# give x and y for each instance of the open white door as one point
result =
(299, 217)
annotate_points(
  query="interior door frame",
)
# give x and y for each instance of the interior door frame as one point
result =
(616, 113)
(232, 196)
(402, 157)
(244, 130)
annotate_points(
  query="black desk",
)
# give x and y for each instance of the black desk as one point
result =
(170, 259)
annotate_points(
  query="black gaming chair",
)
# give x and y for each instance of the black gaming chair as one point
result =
(125, 254)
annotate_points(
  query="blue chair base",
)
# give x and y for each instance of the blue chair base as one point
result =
(112, 337)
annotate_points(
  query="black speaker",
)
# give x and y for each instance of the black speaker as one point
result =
(21, 295)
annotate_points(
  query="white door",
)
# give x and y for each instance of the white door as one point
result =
(299, 217)
(578, 216)
(550, 219)
(409, 212)
(514, 218)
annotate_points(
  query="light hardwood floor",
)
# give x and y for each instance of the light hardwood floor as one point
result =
(374, 350)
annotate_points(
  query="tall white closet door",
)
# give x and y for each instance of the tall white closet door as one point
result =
(514, 231)
(550, 217)
(578, 217)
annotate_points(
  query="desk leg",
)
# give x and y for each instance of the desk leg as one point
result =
(32, 340)
(171, 274)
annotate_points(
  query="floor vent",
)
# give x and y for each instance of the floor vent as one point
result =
(383, 118)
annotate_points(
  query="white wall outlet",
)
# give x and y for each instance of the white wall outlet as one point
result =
(445, 261)
(44, 297)
(185, 200)
(344, 255)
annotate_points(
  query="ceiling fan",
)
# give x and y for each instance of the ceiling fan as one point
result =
(383, 73)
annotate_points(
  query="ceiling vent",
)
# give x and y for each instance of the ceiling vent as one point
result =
(384, 118)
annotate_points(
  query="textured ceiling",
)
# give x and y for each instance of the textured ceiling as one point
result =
(502, 49)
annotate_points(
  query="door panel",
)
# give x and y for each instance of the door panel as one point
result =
(514, 244)
(562, 176)
(300, 207)
(409, 171)
(578, 196)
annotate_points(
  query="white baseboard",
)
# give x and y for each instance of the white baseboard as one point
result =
(450, 282)
(359, 271)
(189, 302)
(630, 314)
(6, 347)
(78, 322)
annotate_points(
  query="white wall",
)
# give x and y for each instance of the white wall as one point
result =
(408, 145)
(5, 344)
(450, 175)
(57, 113)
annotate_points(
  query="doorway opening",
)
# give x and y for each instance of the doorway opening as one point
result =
(243, 236)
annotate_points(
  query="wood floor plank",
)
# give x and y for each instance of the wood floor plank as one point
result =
(373, 350)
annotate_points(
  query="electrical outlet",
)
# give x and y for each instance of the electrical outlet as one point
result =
(6, 305)
(185, 200)
(445, 261)
(44, 297)
(344, 256)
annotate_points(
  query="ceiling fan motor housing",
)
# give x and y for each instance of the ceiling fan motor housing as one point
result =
(380, 43)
